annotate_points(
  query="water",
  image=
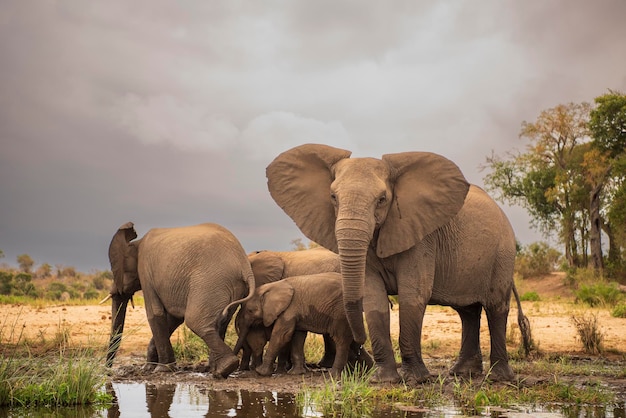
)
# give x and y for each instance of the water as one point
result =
(189, 400)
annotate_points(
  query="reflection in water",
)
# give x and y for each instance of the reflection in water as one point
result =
(188, 400)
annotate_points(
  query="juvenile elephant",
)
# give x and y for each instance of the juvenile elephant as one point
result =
(196, 274)
(410, 225)
(271, 266)
(294, 306)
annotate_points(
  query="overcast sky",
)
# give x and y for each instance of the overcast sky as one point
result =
(166, 113)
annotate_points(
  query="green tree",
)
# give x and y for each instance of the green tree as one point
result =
(44, 270)
(547, 179)
(608, 170)
(26, 262)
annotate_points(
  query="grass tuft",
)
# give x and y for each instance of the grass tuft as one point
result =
(589, 333)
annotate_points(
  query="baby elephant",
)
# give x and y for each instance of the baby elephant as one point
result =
(312, 303)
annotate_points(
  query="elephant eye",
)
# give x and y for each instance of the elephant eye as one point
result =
(382, 200)
(333, 197)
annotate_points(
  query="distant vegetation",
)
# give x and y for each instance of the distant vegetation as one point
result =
(61, 283)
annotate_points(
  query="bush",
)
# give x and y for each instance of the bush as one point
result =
(582, 275)
(589, 333)
(530, 296)
(599, 294)
(536, 259)
(619, 311)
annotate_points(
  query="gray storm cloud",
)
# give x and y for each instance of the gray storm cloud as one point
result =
(167, 113)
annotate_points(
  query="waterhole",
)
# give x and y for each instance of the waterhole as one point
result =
(192, 400)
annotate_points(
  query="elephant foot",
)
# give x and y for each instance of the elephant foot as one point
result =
(265, 369)
(226, 366)
(501, 372)
(149, 367)
(386, 375)
(415, 375)
(297, 370)
(468, 366)
(165, 368)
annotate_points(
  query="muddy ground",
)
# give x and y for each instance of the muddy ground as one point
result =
(550, 319)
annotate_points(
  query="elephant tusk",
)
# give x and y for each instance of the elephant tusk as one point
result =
(105, 299)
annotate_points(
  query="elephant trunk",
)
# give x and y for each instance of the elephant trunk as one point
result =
(353, 244)
(241, 340)
(118, 317)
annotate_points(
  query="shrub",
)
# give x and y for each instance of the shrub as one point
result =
(530, 296)
(619, 311)
(589, 333)
(536, 259)
(599, 294)
(577, 276)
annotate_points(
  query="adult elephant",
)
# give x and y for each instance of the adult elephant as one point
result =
(408, 224)
(196, 274)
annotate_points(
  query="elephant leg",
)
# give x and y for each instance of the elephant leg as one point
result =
(222, 360)
(411, 320)
(152, 356)
(329, 353)
(298, 365)
(246, 357)
(470, 361)
(162, 327)
(376, 307)
(341, 356)
(500, 369)
(253, 348)
(282, 334)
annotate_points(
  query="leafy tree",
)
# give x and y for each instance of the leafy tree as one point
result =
(44, 270)
(608, 170)
(23, 285)
(26, 262)
(547, 179)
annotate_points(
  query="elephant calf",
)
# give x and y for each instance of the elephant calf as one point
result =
(294, 306)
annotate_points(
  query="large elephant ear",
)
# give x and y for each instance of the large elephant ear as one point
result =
(275, 298)
(299, 181)
(118, 250)
(429, 190)
(266, 266)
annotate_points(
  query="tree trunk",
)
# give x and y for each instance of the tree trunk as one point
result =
(614, 258)
(595, 231)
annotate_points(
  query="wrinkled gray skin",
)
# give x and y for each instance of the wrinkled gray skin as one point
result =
(196, 274)
(407, 224)
(271, 266)
(294, 306)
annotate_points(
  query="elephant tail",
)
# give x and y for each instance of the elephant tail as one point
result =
(524, 324)
(228, 311)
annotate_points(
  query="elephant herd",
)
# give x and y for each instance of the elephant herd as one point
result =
(408, 224)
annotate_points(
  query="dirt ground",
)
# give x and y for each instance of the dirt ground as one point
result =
(550, 320)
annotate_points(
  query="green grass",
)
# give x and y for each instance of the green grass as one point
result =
(59, 377)
(352, 395)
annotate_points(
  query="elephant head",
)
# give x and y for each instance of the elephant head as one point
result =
(266, 266)
(354, 205)
(123, 259)
(268, 302)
